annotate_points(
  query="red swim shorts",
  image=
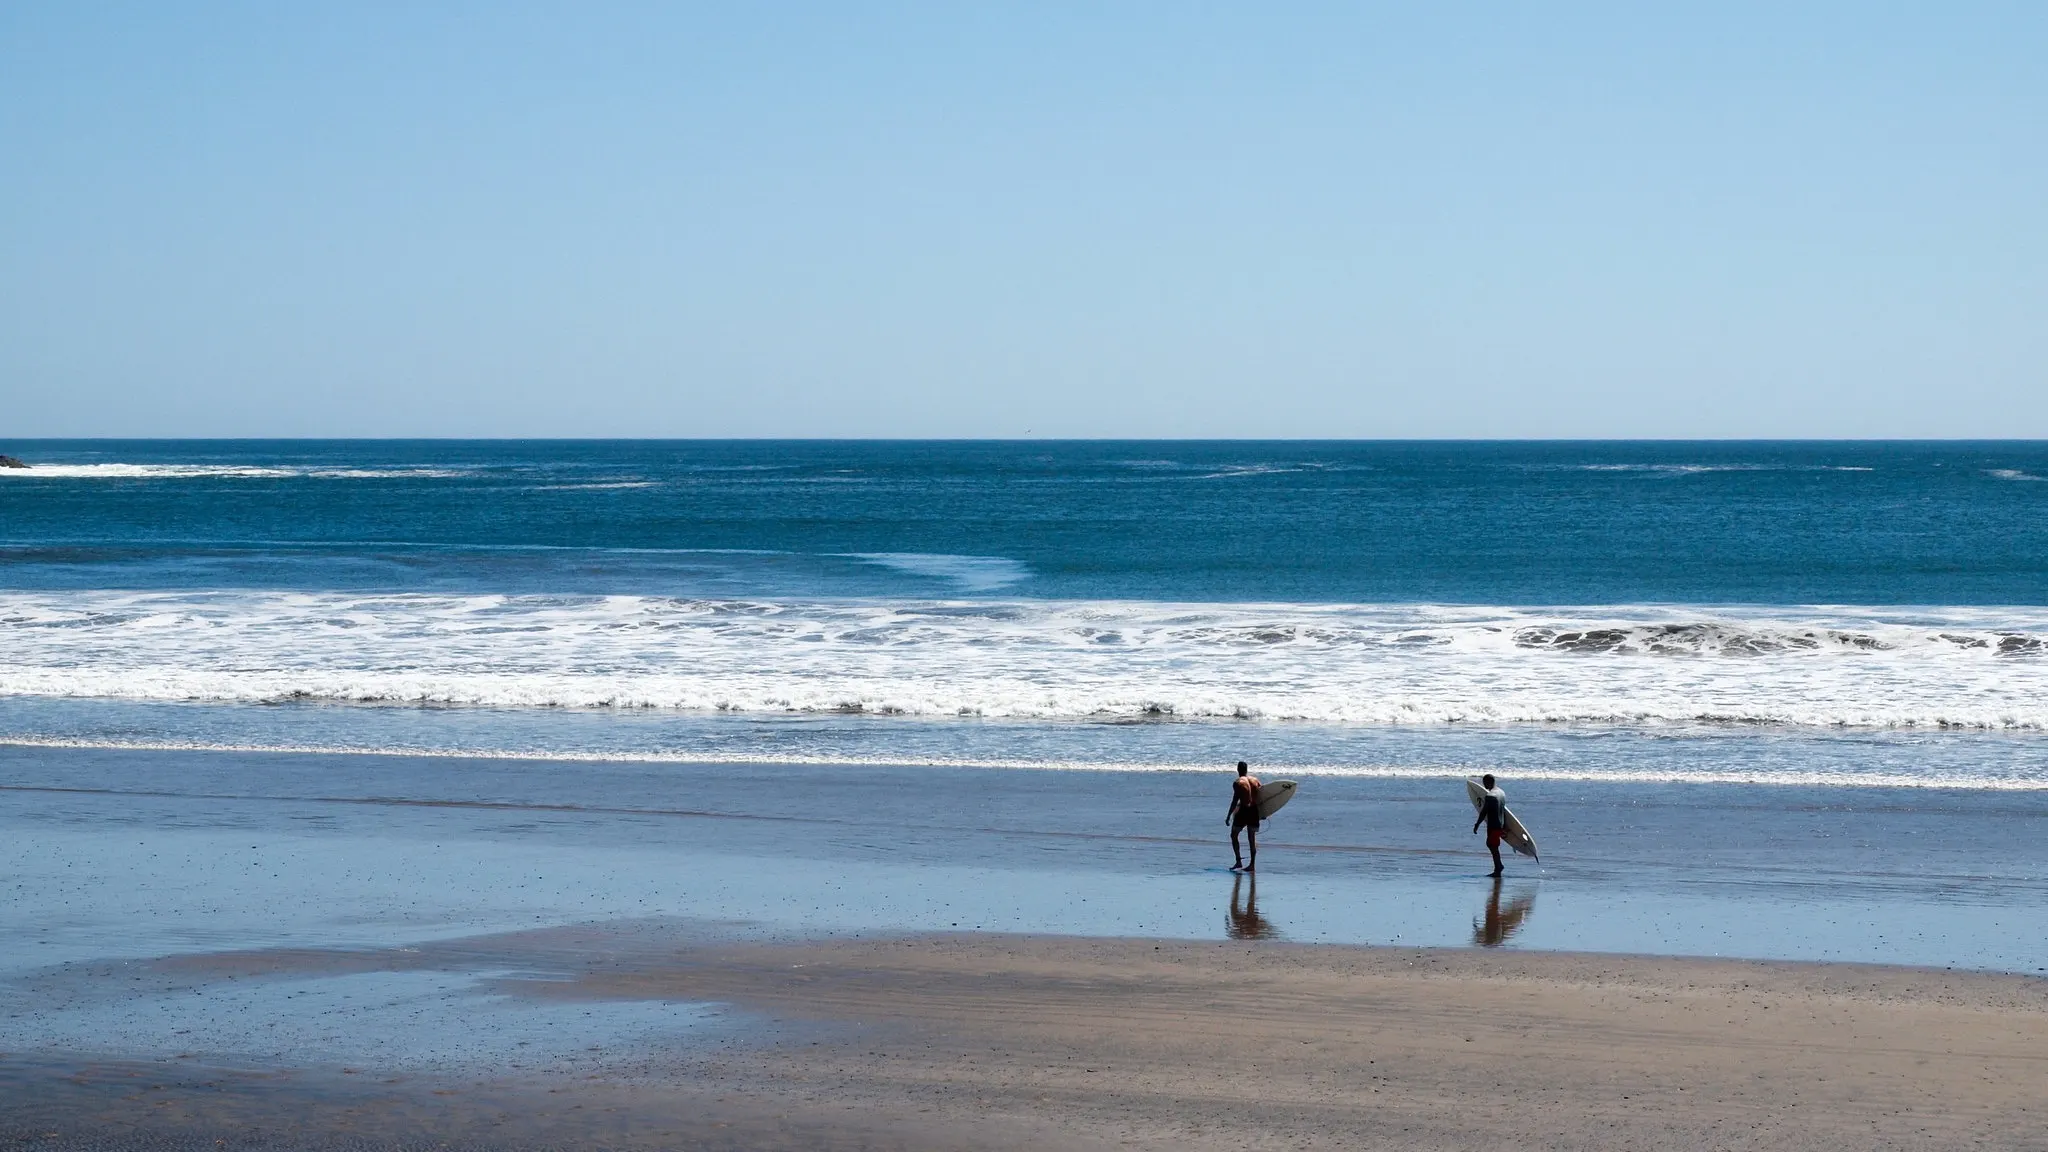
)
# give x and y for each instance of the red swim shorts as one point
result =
(1493, 837)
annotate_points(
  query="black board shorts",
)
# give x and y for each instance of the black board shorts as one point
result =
(1245, 820)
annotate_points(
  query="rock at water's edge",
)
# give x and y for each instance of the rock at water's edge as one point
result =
(11, 462)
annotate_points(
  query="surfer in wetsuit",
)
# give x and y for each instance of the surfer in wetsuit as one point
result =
(1493, 809)
(1244, 815)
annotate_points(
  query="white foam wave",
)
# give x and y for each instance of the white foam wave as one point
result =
(2013, 474)
(1680, 469)
(231, 471)
(1693, 469)
(1232, 471)
(382, 473)
(1778, 777)
(1212, 471)
(1339, 664)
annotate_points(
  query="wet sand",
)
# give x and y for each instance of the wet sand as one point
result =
(297, 951)
(113, 853)
(992, 1041)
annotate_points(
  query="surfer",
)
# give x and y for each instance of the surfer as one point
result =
(1493, 812)
(1244, 815)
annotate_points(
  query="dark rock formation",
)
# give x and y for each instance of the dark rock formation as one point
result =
(11, 462)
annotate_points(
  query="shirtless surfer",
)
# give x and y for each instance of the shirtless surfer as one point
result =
(1493, 812)
(1244, 815)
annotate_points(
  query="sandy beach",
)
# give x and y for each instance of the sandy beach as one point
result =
(989, 1041)
(298, 951)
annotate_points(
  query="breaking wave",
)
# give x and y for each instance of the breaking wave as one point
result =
(228, 471)
(1028, 659)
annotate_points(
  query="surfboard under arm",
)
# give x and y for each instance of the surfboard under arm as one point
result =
(1273, 796)
(1517, 836)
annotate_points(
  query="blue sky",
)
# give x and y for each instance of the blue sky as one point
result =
(1182, 219)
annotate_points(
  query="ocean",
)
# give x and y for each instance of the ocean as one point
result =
(1769, 700)
(1769, 612)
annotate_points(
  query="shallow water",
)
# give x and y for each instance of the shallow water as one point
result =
(139, 854)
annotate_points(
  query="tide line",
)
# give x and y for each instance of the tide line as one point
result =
(1976, 783)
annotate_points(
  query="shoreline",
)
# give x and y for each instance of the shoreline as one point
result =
(128, 853)
(1014, 1041)
(2001, 760)
(1888, 782)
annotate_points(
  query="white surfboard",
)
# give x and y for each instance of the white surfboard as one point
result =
(1273, 796)
(1517, 836)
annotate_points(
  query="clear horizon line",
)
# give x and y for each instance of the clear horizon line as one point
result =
(1038, 439)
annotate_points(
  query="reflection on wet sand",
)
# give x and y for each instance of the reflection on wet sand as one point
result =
(1493, 929)
(1244, 921)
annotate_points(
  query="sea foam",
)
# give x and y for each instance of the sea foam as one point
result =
(114, 471)
(1967, 668)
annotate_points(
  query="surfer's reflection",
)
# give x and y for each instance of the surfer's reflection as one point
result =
(1244, 922)
(1493, 929)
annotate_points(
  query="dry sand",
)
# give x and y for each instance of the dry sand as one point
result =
(1009, 1042)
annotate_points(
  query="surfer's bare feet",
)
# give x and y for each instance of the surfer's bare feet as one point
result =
(1239, 866)
(1497, 872)
(1250, 867)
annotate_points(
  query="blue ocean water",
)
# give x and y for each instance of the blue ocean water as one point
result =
(1858, 612)
(1400, 522)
